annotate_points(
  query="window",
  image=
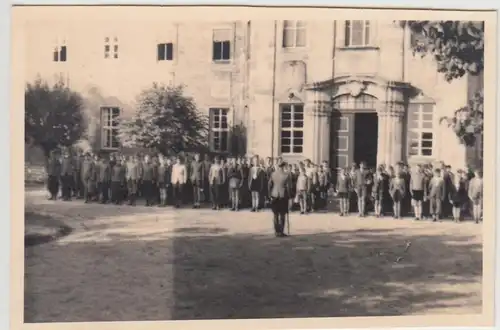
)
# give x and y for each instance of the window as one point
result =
(221, 45)
(421, 129)
(294, 34)
(292, 128)
(357, 33)
(165, 52)
(109, 125)
(60, 54)
(107, 47)
(219, 130)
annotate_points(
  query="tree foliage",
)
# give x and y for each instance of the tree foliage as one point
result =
(458, 49)
(53, 115)
(456, 46)
(467, 123)
(165, 120)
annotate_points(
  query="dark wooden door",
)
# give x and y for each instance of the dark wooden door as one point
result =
(342, 140)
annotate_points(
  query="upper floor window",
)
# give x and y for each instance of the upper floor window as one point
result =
(111, 47)
(60, 53)
(109, 127)
(357, 33)
(219, 129)
(292, 128)
(294, 34)
(165, 51)
(421, 129)
(221, 45)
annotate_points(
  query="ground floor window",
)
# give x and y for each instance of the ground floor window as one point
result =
(219, 129)
(292, 128)
(421, 137)
(109, 126)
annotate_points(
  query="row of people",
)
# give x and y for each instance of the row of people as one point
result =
(242, 182)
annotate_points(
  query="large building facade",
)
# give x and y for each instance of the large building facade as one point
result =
(342, 91)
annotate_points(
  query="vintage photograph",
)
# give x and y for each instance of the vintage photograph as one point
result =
(181, 168)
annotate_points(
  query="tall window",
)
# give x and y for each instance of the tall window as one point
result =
(294, 34)
(109, 126)
(219, 130)
(421, 129)
(60, 53)
(165, 51)
(221, 45)
(357, 33)
(292, 128)
(110, 47)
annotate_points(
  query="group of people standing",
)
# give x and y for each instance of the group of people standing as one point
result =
(237, 183)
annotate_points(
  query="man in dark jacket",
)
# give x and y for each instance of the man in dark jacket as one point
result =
(103, 179)
(88, 177)
(117, 182)
(206, 185)
(67, 172)
(279, 192)
(53, 175)
(78, 184)
(148, 180)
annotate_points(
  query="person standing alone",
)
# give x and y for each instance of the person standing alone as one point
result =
(279, 192)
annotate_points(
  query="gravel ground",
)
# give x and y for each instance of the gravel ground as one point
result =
(125, 264)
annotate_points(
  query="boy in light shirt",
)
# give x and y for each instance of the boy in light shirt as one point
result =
(475, 193)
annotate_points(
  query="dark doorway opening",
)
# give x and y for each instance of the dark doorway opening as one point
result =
(366, 138)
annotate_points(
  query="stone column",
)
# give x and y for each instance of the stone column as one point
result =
(323, 145)
(382, 149)
(397, 136)
(390, 135)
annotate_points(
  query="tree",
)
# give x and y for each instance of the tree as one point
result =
(166, 120)
(458, 49)
(53, 115)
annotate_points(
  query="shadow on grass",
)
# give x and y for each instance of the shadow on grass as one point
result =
(347, 273)
(47, 229)
(192, 275)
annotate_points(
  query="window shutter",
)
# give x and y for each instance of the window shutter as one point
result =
(226, 50)
(62, 54)
(170, 51)
(160, 52)
(216, 50)
(347, 32)
(288, 37)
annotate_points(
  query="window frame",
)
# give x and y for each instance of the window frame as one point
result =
(294, 27)
(348, 34)
(222, 112)
(418, 107)
(107, 130)
(111, 48)
(57, 54)
(220, 43)
(292, 129)
(165, 51)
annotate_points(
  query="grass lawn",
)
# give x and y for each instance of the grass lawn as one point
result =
(125, 264)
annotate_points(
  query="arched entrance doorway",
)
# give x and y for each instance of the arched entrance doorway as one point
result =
(354, 130)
